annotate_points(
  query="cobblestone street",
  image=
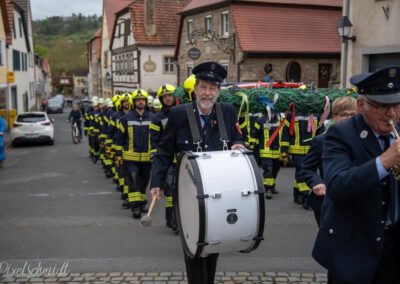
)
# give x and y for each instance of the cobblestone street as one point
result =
(171, 278)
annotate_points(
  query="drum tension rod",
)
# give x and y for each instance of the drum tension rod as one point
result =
(216, 195)
(202, 196)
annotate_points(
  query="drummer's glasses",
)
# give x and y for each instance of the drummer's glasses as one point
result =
(383, 108)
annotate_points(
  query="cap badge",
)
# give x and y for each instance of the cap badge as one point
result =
(213, 66)
(390, 85)
(364, 134)
(392, 72)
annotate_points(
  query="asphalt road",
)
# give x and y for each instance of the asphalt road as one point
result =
(57, 207)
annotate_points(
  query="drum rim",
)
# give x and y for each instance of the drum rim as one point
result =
(261, 202)
(200, 191)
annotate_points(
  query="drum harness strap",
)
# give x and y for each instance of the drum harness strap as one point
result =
(195, 130)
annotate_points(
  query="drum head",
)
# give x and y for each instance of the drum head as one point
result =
(189, 217)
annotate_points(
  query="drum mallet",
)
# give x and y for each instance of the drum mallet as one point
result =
(146, 220)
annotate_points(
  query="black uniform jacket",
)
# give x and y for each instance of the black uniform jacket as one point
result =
(177, 138)
(350, 238)
(311, 170)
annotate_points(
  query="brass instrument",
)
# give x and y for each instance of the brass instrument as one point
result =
(396, 168)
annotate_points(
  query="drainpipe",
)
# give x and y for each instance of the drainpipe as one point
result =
(345, 50)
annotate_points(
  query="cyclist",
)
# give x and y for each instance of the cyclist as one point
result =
(76, 116)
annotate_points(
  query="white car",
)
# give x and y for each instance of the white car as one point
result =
(32, 127)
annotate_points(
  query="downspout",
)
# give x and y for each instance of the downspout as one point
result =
(345, 50)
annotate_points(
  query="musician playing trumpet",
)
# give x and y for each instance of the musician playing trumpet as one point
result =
(359, 237)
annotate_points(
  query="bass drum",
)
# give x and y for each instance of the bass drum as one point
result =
(219, 202)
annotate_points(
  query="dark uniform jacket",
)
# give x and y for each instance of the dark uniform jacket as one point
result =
(312, 172)
(134, 137)
(177, 138)
(349, 242)
(157, 127)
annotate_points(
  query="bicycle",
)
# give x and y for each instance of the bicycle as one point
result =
(76, 138)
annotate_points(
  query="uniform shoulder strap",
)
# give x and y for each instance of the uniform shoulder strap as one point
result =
(194, 129)
(221, 122)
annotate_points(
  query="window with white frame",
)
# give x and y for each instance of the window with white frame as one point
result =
(208, 25)
(20, 26)
(225, 23)
(189, 29)
(168, 64)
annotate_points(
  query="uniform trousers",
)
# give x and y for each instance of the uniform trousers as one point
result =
(137, 176)
(201, 270)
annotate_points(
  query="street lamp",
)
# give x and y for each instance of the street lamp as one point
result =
(344, 27)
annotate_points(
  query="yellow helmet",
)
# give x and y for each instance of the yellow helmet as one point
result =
(115, 98)
(164, 90)
(139, 94)
(188, 85)
(122, 97)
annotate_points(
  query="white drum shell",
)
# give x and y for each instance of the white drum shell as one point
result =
(232, 209)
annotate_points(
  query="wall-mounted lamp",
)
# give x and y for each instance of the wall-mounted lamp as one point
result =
(344, 27)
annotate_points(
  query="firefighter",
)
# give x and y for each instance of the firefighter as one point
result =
(263, 129)
(95, 129)
(123, 106)
(297, 145)
(157, 126)
(134, 136)
(110, 151)
(108, 164)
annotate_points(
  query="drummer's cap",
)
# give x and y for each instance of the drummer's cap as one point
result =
(382, 86)
(210, 71)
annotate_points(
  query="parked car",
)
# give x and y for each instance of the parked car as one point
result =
(32, 127)
(60, 97)
(55, 105)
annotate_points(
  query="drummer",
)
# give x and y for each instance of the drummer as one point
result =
(177, 138)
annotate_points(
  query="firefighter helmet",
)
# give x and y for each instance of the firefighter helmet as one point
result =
(188, 85)
(139, 94)
(164, 90)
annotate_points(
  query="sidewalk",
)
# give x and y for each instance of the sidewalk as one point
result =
(169, 277)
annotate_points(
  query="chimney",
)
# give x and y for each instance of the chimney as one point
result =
(149, 14)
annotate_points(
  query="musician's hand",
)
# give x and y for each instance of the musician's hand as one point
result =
(319, 189)
(391, 156)
(237, 146)
(155, 191)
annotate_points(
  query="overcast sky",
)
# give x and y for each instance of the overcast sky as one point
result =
(42, 9)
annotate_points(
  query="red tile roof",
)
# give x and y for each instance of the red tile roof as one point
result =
(199, 4)
(280, 29)
(166, 22)
(46, 66)
(110, 7)
(329, 3)
(196, 4)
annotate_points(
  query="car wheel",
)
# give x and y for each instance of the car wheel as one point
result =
(51, 142)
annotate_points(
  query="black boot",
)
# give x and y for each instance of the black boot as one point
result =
(274, 191)
(126, 204)
(268, 194)
(136, 212)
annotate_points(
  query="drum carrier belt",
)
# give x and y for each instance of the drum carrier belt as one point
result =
(194, 129)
